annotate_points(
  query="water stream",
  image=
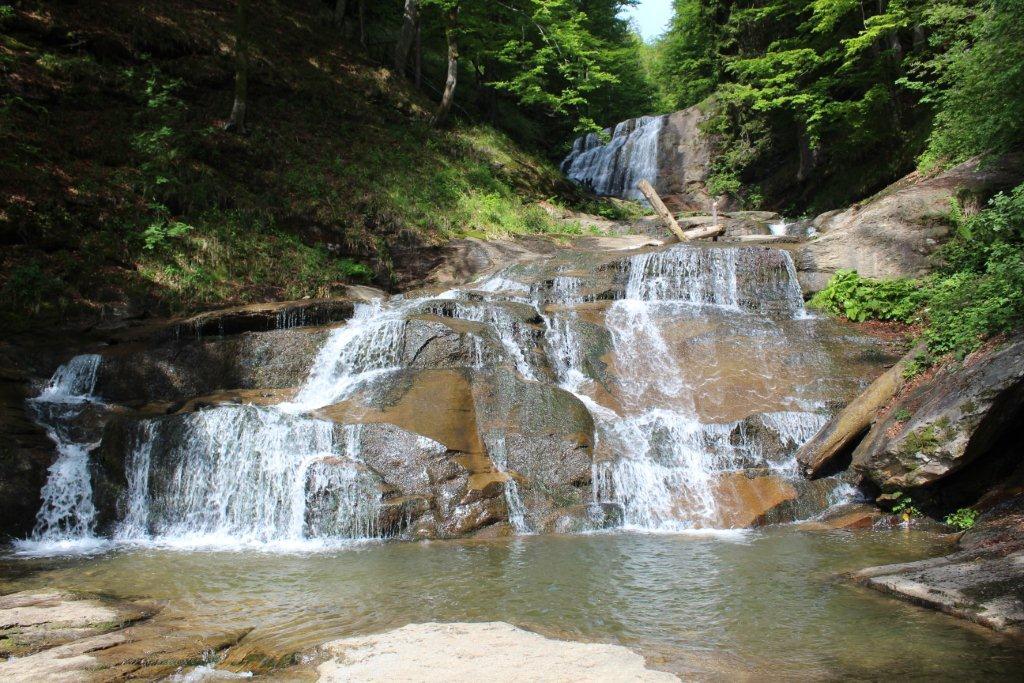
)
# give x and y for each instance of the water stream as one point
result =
(689, 376)
(674, 353)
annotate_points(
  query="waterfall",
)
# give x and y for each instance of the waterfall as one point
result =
(666, 475)
(67, 512)
(246, 474)
(614, 168)
(280, 476)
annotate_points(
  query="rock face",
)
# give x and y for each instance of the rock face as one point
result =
(967, 417)
(669, 151)
(465, 653)
(25, 455)
(893, 233)
(839, 436)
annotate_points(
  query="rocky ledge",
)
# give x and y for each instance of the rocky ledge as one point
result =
(983, 581)
(64, 636)
(494, 652)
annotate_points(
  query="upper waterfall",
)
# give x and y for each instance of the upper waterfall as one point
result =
(613, 167)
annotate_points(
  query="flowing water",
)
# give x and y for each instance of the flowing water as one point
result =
(760, 605)
(661, 393)
(699, 367)
(613, 163)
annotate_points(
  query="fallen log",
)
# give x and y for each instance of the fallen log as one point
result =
(709, 231)
(839, 435)
(659, 207)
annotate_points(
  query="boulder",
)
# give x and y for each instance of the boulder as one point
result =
(894, 233)
(748, 499)
(684, 160)
(968, 414)
(495, 651)
(850, 516)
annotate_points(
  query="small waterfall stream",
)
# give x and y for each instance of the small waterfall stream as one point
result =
(281, 475)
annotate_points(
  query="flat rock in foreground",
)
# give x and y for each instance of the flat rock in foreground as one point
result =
(492, 652)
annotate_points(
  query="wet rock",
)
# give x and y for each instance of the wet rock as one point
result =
(25, 455)
(982, 581)
(850, 516)
(583, 518)
(985, 586)
(824, 452)
(746, 500)
(457, 435)
(966, 415)
(138, 374)
(894, 233)
(32, 621)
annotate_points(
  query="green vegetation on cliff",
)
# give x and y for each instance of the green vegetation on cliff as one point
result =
(122, 194)
(824, 102)
(974, 294)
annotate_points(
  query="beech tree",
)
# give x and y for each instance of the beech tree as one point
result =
(236, 122)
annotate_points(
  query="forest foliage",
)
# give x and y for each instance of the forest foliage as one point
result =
(825, 101)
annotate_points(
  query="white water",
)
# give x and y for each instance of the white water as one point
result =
(274, 477)
(665, 478)
(614, 168)
(67, 511)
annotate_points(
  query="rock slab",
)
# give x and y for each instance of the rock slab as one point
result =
(471, 652)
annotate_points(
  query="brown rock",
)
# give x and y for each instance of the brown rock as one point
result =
(746, 501)
(894, 233)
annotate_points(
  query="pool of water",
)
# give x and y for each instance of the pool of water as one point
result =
(764, 604)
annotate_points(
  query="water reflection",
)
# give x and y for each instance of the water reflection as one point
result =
(767, 604)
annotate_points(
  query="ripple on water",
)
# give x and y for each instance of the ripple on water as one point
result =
(764, 603)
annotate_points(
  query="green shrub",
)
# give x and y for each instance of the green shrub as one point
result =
(977, 292)
(904, 506)
(963, 519)
(859, 298)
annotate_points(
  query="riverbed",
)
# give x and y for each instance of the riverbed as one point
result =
(765, 604)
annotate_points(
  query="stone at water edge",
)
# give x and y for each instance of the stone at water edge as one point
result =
(471, 652)
(963, 415)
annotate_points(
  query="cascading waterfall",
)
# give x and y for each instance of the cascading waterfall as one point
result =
(666, 476)
(614, 167)
(67, 510)
(244, 474)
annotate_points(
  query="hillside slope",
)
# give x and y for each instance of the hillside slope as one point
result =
(121, 195)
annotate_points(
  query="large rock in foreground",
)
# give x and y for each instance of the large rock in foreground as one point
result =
(495, 652)
(982, 582)
(966, 414)
(894, 233)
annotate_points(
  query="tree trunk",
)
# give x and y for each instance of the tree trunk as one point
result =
(237, 121)
(418, 59)
(659, 207)
(339, 12)
(362, 23)
(445, 108)
(410, 21)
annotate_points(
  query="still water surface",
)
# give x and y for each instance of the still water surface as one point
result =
(761, 605)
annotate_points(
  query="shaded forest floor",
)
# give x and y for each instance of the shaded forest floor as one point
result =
(121, 195)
